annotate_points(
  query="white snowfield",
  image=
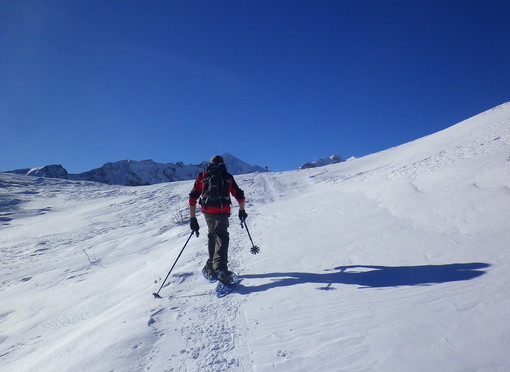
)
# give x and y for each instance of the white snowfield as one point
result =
(397, 261)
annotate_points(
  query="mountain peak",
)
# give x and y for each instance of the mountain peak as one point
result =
(237, 166)
(333, 159)
(138, 173)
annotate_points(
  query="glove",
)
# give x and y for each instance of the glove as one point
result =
(242, 214)
(193, 224)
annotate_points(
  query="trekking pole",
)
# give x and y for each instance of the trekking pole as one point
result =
(156, 294)
(254, 249)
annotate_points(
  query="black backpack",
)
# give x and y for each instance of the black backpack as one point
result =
(216, 191)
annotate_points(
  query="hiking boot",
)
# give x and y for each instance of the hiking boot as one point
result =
(225, 276)
(209, 273)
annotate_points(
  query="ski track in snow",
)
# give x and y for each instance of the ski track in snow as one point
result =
(362, 263)
(206, 324)
(210, 330)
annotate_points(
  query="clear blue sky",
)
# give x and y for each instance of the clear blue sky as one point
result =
(275, 83)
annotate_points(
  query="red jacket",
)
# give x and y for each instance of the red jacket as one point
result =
(198, 187)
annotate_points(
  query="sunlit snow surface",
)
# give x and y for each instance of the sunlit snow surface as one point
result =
(397, 261)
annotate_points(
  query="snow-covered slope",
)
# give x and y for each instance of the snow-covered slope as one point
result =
(139, 173)
(392, 262)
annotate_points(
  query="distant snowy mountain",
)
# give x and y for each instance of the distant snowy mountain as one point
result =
(321, 162)
(50, 171)
(138, 173)
(237, 166)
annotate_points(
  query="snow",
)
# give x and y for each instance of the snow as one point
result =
(396, 261)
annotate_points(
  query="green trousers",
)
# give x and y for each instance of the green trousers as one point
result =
(217, 223)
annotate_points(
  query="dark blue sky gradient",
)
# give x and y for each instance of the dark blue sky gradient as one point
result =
(275, 83)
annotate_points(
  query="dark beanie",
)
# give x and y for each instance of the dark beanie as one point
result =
(216, 159)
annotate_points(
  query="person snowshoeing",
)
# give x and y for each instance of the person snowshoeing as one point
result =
(212, 190)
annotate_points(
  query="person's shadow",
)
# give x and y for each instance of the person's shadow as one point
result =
(370, 276)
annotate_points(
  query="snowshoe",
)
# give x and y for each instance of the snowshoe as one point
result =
(209, 274)
(225, 277)
(228, 285)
